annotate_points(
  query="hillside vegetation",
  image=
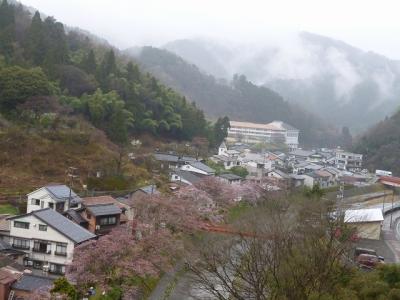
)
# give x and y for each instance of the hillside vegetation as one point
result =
(239, 99)
(68, 99)
(380, 145)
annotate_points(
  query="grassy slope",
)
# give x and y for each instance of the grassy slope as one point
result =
(31, 159)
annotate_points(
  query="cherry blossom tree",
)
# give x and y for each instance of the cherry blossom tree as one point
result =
(118, 257)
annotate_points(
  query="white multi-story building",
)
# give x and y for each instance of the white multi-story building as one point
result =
(275, 131)
(348, 161)
(47, 238)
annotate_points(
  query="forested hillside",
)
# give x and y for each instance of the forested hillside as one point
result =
(239, 99)
(381, 144)
(56, 82)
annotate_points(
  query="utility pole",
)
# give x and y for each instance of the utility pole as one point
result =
(340, 196)
(72, 174)
(391, 214)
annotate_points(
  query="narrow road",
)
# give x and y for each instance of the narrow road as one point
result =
(391, 234)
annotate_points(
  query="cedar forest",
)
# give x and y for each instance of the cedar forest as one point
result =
(47, 72)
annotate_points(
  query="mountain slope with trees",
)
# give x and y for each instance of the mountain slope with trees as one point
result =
(239, 99)
(59, 82)
(380, 145)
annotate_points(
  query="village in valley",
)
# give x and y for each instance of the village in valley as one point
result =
(253, 160)
(182, 150)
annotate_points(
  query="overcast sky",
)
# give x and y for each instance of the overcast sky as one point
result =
(367, 24)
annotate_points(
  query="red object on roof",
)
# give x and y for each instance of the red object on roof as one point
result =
(390, 180)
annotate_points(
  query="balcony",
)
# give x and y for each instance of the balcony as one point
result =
(22, 247)
(60, 253)
(41, 251)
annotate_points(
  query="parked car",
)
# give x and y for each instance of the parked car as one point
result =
(358, 251)
(368, 261)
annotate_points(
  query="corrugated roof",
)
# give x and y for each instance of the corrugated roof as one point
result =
(104, 209)
(31, 283)
(66, 227)
(363, 215)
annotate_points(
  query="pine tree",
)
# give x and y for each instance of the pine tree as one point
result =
(133, 73)
(89, 63)
(7, 16)
(36, 48)
(7, 30)
(107, 67)
(56, 42)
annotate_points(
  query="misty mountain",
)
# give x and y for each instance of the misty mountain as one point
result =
(380, 145)
(237, 98)
(342, 84)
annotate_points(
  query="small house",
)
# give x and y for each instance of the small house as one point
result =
(367, 222)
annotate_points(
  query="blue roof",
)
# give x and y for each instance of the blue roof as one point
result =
(61, 193)
(63, 225)
(31, 283)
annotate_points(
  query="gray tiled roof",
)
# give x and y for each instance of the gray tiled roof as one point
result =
(188, 176)
(229, 176)
(104, 209)
(301, 152)
(201, 166)
(66, 227)
(172, 157)
(31, 283)
(75, 216)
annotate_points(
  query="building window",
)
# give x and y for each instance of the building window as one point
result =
(108, 221)
(35, 202)
(37, 264)
(57, 269)
(19, 224)
(21, 243)
(61, 249)
(51, 205)
(42, 227)
(42, 247)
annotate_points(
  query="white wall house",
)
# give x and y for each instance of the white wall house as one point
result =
(185, 177)
(48, 238)
(56, 197)
(367, 222)
(348, 161)
(276, 131)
